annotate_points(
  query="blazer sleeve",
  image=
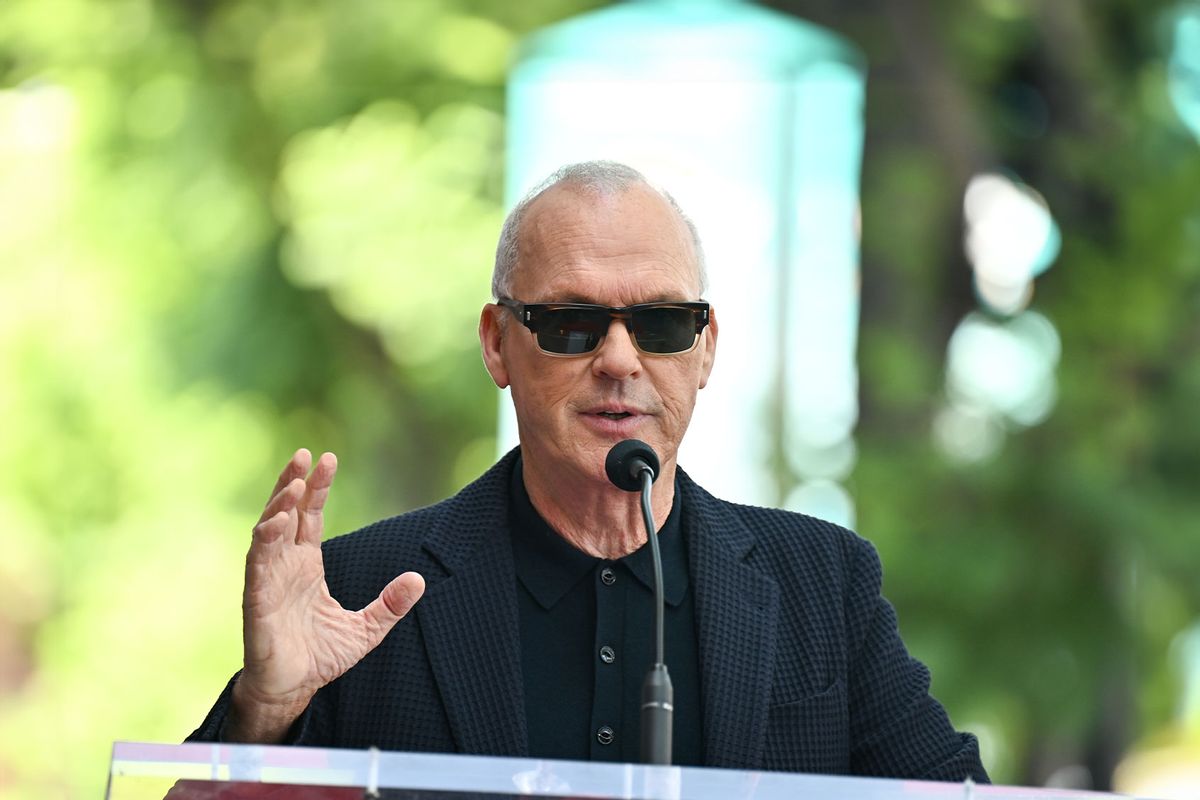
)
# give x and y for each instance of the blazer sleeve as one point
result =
(311, 729)
(897, 728)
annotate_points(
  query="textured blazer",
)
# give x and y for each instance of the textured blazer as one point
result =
(802, 667)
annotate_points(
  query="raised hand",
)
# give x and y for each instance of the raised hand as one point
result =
(296, 637)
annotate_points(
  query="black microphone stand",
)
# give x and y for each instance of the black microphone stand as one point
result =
(630, 465)
(658, 695)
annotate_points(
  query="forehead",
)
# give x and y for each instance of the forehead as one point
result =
(615, 248)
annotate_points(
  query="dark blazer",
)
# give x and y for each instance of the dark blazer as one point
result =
(802, 667)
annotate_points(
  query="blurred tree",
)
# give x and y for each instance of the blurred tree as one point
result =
(234, 227)
(230, 228)
(1045, 585)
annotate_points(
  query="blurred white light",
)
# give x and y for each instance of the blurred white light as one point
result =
(1004, 367)
(1004, 298)
(834, 462)
(37, 119)
(1010, 239)
(823, 499)
(967, 435)
(39, 129)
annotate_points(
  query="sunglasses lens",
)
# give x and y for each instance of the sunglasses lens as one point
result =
(664, 330)
(571, 331)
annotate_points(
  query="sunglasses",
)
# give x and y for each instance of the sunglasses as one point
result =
(572, 329)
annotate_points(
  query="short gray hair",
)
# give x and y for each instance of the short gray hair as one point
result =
(600, 177)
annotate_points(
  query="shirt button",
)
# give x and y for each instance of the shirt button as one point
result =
(608, 576)
(605, 735)
(607, 654)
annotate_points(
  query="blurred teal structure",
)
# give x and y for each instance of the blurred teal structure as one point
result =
(1183, 69)
(754, 121)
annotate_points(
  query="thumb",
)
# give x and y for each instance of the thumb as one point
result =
(396, 600)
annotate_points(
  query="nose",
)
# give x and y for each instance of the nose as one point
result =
(616, 357)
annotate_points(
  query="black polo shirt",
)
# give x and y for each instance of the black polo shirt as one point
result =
(587, 640)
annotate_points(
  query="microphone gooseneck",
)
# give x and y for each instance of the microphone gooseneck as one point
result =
(632, 465)
(648, 518)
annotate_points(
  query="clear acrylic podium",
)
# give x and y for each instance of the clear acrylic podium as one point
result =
(141, 771)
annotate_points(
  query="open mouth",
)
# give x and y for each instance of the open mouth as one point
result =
(613, 414)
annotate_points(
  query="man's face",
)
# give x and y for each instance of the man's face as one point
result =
(614, 250)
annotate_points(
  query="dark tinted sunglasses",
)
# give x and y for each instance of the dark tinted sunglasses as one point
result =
(572, 329)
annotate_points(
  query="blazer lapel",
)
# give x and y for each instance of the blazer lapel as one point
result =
(736, 611)
(469, 620)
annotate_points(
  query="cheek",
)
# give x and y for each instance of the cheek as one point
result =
(541, 387)
(678, 397)
(680, 386)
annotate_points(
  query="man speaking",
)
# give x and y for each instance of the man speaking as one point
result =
(515, 618)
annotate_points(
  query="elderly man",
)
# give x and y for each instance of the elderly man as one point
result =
(532, 630)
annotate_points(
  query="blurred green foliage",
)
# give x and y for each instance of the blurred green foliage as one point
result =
(1045, 586)
(229, 228)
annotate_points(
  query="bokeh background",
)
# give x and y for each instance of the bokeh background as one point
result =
(232, 227)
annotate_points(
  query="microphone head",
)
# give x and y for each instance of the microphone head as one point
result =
(627, 460)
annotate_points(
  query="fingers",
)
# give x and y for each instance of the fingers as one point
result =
(396, 600)
(312, 504)
(294, 512)
(297, 467)
(279, 517)
(265, 543)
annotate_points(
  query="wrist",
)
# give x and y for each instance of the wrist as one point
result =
(258, 718)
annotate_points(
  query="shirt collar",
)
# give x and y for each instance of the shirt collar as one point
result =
(673, 549)
(549, 566)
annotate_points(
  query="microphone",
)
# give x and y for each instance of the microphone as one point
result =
(632, 465)
(625, 463)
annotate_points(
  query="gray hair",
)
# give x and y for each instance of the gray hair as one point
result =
(599, 177)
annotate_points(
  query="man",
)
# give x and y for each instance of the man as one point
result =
(534, 629)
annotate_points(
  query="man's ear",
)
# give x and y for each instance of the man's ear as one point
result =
(491, 334)
(708, 341)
